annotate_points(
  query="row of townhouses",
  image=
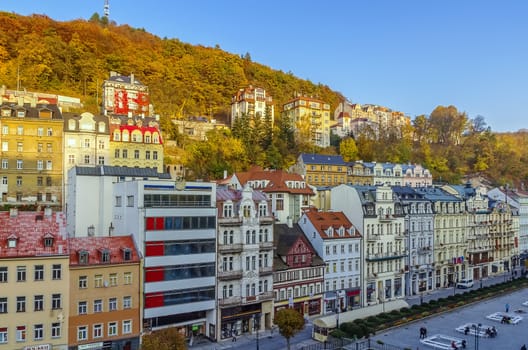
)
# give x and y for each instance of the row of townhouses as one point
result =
(136, 252)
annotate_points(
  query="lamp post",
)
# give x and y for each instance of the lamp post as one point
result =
(337, 307)
(256, 327)
(477, 332)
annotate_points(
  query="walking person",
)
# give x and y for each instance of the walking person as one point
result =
(507, 307)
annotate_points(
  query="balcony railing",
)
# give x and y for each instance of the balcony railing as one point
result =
(387, 218)
(424, 250)
(265, 270)
(373, 238)
(230, 301)
(266, 245)
(229, 275)
(385, 256)
(230, 248)
(257, 298)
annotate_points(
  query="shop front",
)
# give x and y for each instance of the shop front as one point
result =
(238, 320)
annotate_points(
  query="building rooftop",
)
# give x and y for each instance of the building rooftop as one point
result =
(30, 234)
(328, 224)
(120, 249)
(108, 170)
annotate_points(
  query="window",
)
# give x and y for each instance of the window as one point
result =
(105, 256)
(112, 304)
(82, 308)
(82, 333)
(56, 301)
(38, 302)
(98, 330)
(55, 330)
(4, 180)
(49, 148)
(40, 132)
(101, 160)
(86, 159)
(48, 182)
(98, 305)
(38, 331)
(127, 326)
(125, 153)
(39, 147)
(49, 165)
(21, 333)
(5, 129)
(56, 272)
(50, 132)
(21, 273)
(112, 328)
(20, 164)
(5, 146)
(20, 147)
(98, 281)
(3, 305)
(155, 155)
(101, 144)
(5, 164)
(3, 335)
(127, 276)
(19, 181)
(136, 154)
(86, 143)
(113, 279)
(116, 153)
(127, 302)
(3, 274)
(118, 201)
(147, 154)
(130, 201)
(20, 130)
(21, 304)
(39, 272)
(83, 282)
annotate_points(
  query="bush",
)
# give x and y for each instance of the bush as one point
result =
(338, 333)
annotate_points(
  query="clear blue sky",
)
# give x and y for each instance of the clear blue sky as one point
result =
(408, 55)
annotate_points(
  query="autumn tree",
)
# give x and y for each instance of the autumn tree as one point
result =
(165, 339)
(348, 149)
(290, 322)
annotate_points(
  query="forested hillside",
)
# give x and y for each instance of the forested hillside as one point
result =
(73, 58)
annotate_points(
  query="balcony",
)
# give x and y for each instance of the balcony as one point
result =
(424, 250)
(230, 248)
(266, 245)
(229, 301)
(374, 238)
(399, 236)
(229, 275)
(257, 298)
(265, 270)
(266, 220)
(387, 217)
(479, 249)
(229, 221)
(385, 256)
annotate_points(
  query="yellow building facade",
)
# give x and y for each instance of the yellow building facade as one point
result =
(31, 154)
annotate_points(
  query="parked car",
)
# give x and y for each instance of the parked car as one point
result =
(464, 283)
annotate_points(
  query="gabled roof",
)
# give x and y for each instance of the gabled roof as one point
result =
(276, 180)
(115, 245)
(285, 238)
(224, 194)
(322, 221)
(32, 112)
(29, 229)
(308, 158)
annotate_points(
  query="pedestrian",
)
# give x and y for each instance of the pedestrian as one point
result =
(463, 343)
(425, 332)
(234, 337)
(453, 345)
(507, 307)
(422, 332)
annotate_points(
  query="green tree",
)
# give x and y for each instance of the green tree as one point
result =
(165, 339)
(290, 322)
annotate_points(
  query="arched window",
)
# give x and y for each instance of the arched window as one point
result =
(117, 135)
(125, 136)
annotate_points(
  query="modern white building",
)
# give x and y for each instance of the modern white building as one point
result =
(253, 102)
(244, 262)
(174, 225)
(338, 242)
(381, 219)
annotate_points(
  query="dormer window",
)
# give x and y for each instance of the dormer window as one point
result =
(48, 240)
(105, 255)
(83, 257)
(127, 254)
(12, 241)
(228, 210)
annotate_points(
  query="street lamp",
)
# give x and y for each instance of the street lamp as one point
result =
(256, 327)
(477, 333)
(337, 307)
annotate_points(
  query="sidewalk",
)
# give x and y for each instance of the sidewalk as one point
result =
(245, 341)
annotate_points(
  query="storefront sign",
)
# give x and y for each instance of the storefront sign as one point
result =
(38, 347)
(90, 346)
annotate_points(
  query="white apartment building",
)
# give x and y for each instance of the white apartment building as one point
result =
(254, 102)
(380, 217)
(338, 242)
(244, 262)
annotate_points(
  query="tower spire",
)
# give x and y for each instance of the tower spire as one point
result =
(106, 9)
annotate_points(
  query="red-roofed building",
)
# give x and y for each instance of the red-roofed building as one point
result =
(34, 280)
(105, 286)
(338, 242)
(289, 193)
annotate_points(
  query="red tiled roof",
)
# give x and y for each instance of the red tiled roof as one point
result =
(276, 180)
(336, 219)
(95, 245)
(29, 229)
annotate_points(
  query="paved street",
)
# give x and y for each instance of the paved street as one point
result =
(510, 336)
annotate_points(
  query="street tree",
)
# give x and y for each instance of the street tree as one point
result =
(165, 339)
(290, 322)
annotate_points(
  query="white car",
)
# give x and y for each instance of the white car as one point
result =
(464, 283)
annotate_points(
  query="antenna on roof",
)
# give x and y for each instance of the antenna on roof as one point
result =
(106, 9)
